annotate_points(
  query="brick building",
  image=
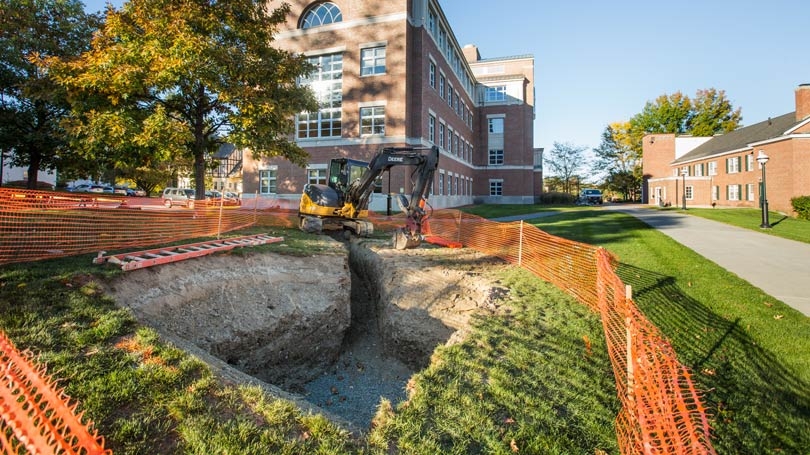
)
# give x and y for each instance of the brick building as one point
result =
(723, 170)
(392, 74)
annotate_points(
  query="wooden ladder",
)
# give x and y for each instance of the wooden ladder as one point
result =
(147, 258)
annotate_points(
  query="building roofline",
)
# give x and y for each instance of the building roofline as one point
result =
(498, 59)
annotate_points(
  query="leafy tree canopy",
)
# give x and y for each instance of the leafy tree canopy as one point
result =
(707, 114)
(32, 105)
(619, 160)
(167, 78)
(564, 160)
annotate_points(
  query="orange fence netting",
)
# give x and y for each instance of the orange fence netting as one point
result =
(661, 413)
(36, 415)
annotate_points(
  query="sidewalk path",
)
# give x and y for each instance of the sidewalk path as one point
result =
(778, 266)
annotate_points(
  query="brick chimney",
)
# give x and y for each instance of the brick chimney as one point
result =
(471, 53)
(802, 102)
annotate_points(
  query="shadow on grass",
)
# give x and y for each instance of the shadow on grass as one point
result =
(536, 379)
(757, 405)
(778, 221)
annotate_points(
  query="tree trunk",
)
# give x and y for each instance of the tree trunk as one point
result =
(33, 169)
(199, 144)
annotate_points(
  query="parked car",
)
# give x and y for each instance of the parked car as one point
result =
(178, 196)
(136, 192)
(232, 198)
(590, 196)
(120, 189)
(80, 188)
(96, 189)
(108, 189)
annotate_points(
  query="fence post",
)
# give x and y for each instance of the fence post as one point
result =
(520, 246)
(628, 295)
(458, 231)
(255, 207)
(219, 226)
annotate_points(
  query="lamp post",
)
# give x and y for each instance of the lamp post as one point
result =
(762, 158)
(684, 173)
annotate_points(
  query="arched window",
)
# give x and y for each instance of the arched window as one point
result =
(321, 14)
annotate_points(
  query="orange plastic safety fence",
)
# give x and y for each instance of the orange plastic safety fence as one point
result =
(662, 412)
(35, 415)
(40, 225)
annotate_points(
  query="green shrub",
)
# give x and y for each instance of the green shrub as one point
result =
(801, 205)
(556, 197)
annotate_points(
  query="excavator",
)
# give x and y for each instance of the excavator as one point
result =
(343, 202)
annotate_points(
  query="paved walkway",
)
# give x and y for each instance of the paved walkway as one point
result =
(778, 266)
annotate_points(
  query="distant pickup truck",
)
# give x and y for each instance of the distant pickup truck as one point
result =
(590, 196)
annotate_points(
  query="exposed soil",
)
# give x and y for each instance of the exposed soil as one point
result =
(339, 331)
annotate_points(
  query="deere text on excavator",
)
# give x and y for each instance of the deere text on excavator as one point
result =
(343, 202)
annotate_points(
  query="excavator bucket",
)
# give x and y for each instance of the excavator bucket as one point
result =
(403, 240)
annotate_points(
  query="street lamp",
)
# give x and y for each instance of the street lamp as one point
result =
(762, 158)
(684, 173)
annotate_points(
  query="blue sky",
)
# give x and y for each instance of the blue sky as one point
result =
(598, 61)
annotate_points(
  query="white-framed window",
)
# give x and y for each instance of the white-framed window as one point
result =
(495, 94)
(321, 14)
(749, 162)
(442, 37)
(432, 75)
(495, 157)
(455, 190)
(372, 121)
(441, 183)
(432, 129)
(496, 187)
(712, 167)
(733, 192)
(456, 144)
(698, 170)
(733, 165)
(326, 83)
(690, 190)
(441, 134)
(432, 22)
(442, 82)
(449, 184)
(450, 95)
(372, 61)
(268, 180)
(715, 193)
(496, 125)
(749, 191)
(316, 174)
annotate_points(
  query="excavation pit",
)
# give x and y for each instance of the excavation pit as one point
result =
(336, 332)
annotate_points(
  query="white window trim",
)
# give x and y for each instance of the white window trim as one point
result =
(377, 46)
(359, 110)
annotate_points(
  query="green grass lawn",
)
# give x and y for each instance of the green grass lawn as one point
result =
(781, 225)
(750, 352)
(501, 210)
